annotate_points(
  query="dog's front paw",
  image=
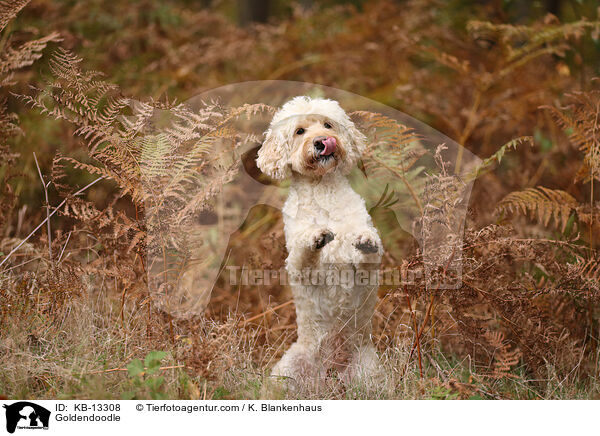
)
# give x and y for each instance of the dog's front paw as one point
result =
(367, 244)
(321, 239)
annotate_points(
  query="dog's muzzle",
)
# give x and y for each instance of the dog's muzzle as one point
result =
(325, 145)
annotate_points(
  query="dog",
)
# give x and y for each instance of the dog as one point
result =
(334, 251)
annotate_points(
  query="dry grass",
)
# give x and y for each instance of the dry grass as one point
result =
(81, 347)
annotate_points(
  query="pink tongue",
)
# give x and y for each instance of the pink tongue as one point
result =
(330, 144)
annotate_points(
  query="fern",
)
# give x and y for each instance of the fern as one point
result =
(504, 359)
(589, 270)
(14, 58)
(542, 204)
(524, 42)
(171, 162)
(392, 153)
(498, 155)
(581, 121)
(11, 59)
(9, 10)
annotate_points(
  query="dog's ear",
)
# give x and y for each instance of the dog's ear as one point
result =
(272, 156)
(355, 140)
(360, 140)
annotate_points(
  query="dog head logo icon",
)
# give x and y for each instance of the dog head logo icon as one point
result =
(24, 414)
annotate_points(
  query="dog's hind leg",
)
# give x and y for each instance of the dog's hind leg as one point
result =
(364, 368)
(298, 366)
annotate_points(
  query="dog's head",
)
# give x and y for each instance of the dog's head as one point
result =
(312, 137)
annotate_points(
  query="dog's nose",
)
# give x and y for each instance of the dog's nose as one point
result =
(325, 145)
(318, 143)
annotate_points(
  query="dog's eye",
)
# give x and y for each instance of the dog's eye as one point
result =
(300, 131)
(327, 125)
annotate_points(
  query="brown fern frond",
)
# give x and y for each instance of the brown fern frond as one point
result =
(504, 358)
(589, 269)
(14, 58)
(89, 168)
(11, 59)
(8, 121)
(391, 142)
(9, 10)
(541, 204)
(250, 110)
(581, 122)
(58, 174)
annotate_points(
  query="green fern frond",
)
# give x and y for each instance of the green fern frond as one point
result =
(155, 154)
(521, 41)
(497, 157)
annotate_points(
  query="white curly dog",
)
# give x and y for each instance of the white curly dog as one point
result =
(334, 250)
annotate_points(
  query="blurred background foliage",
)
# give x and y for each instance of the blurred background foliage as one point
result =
(179, 48)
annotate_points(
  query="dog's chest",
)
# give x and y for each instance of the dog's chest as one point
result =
(324, 204)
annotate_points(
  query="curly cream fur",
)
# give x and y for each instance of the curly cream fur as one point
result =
(327, 228)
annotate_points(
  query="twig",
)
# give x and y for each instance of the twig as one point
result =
(102, 371)
(47, 218)
(417, 339)
(272, 309)
(64, 246)
(45, 186)
(21, 264)
(419, 333)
